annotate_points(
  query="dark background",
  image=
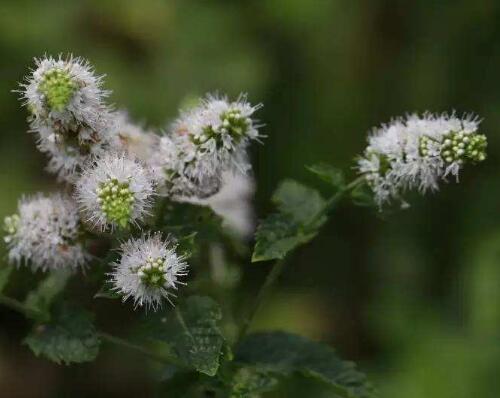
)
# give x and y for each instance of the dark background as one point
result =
(413, 296)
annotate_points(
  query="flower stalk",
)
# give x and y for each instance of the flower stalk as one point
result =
(279, 266)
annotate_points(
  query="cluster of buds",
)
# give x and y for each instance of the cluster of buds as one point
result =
(154, 272)
(115, 191)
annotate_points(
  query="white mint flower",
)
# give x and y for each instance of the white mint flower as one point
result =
(115, 191)
(45, 233)
(148, 271)
(416, 152)
(132, 139)
(68, 114)
(179, 174)
(65, 92)
(206, 141)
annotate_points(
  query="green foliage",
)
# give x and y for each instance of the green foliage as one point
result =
(250, 382)
(5, 271)
(191, 332)
(294, 224)
(362, 196)
(331, 175)
(297, 201)
(189, 224)
(70, 337)
(287, 353)
(41, 299)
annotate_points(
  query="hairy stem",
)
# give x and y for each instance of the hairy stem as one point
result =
(20, 307)
(278, 267)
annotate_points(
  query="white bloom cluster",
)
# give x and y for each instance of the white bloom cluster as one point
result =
(115, 167)
(205, 142)
(132, 139)
(68, 115)
(115, 191)
(46, 233)
(416, 152)
(148, 271)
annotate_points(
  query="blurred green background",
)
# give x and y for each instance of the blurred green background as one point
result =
(413, 297)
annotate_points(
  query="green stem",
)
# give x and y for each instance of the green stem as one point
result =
(263, 293)
(333, 200)
(160, 357)
(278, 267)
(20, 307)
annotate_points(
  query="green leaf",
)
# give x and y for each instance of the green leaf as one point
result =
(287, 353)
(295, 223)
(5, 271)
(331, 175)
(276, 236)
(250, 382)
(297, 201)
(191, 331)
(42, 297)
(70, 337)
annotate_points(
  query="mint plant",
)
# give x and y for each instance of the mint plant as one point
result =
(158, 223)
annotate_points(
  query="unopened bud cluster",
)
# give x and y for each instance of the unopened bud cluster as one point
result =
(153, 272)
(116, 201)
(233, 123)
(57, 87)
(461, 147)
(10, 226)
(115, 191)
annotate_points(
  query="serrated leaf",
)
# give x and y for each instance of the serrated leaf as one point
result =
(297, 201)
(287, 353)
(276, 236)
(48, 289)
(295, 224)
(191, 332)
(5, 271)
(331, 175)
(250, 382)
(70, 337)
